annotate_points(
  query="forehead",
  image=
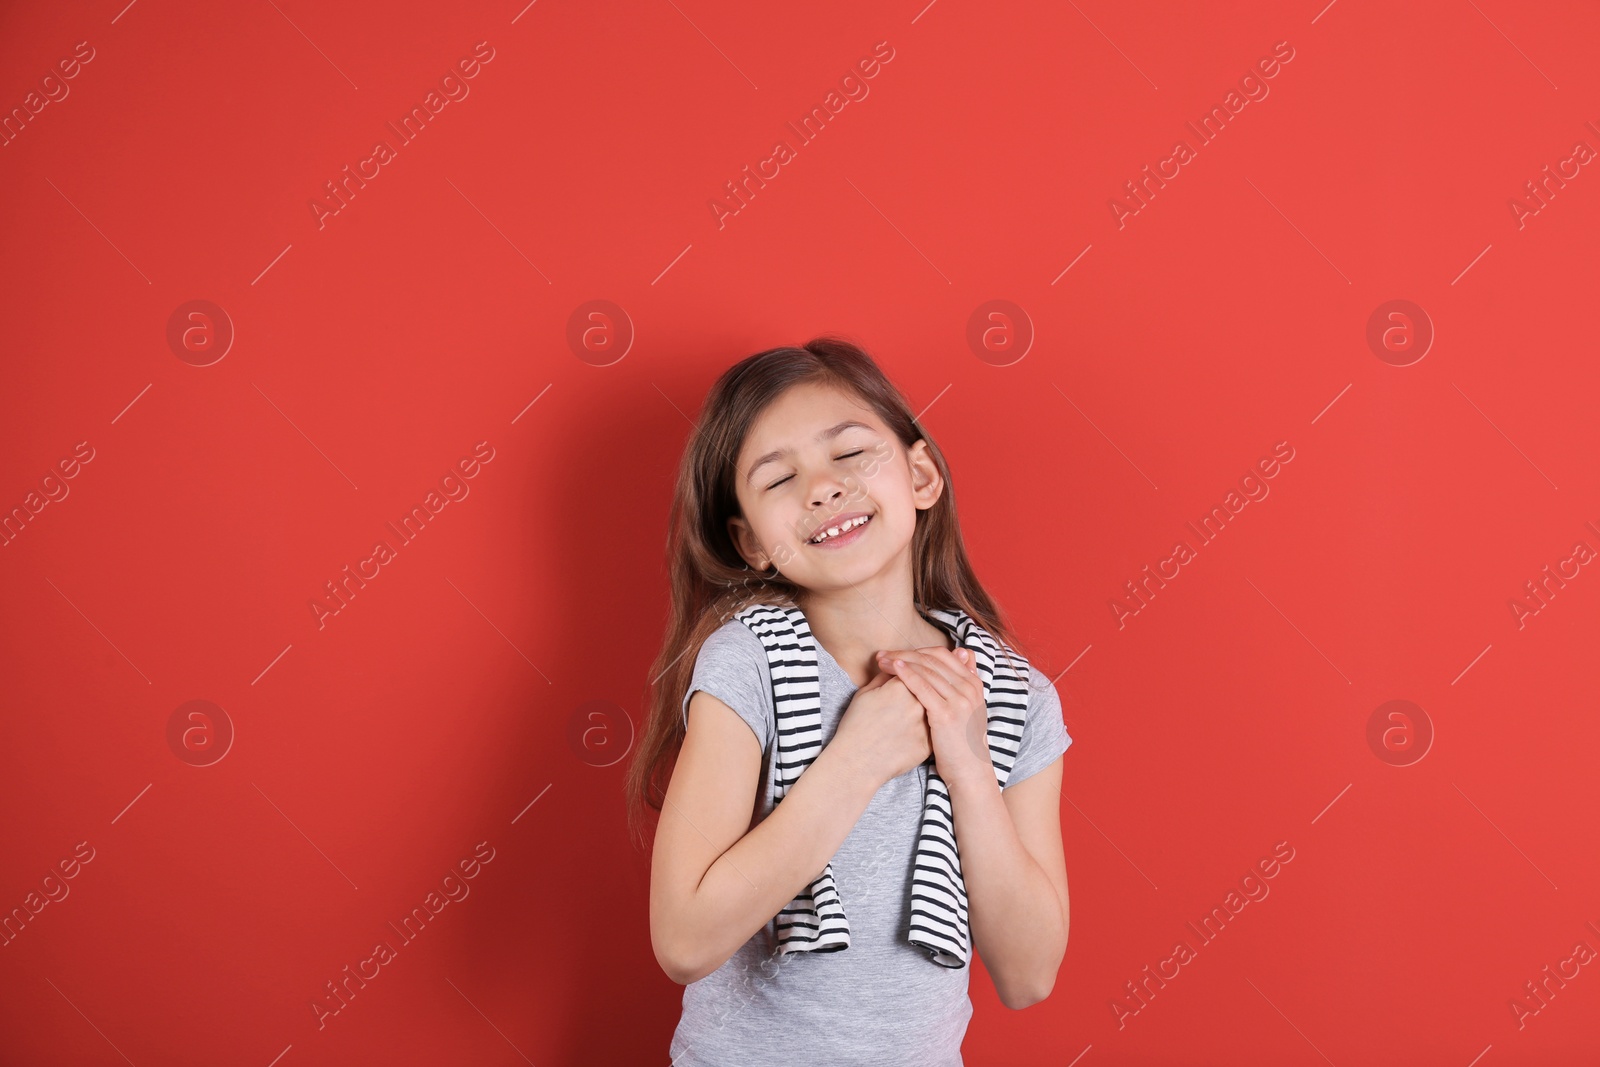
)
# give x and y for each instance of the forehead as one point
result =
(794, 419)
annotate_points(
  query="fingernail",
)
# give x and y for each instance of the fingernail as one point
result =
(899, 663)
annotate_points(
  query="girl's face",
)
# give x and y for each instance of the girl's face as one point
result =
(815, 459)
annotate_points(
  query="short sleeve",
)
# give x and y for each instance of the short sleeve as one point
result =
(732, 666)
(1044, 731)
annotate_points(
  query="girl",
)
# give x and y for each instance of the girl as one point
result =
(849, 665)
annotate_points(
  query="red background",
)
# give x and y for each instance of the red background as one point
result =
(445, 704)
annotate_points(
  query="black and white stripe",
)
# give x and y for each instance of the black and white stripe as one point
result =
(815, 920)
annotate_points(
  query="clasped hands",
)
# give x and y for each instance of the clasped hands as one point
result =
(946, 682)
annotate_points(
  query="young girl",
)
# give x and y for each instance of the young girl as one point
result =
(866, 781)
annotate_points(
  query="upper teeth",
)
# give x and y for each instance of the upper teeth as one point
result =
(843, 527)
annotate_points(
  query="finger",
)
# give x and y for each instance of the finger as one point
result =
(965, 664)
(915, 684)
(887, 657)
(876, 680)
(962, 663)
(960, 659)
(937, 685)
(942, 665)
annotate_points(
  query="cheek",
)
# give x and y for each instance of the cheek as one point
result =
(894, 494)
(772, 528)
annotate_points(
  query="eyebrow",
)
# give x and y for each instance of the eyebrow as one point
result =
(828, 434)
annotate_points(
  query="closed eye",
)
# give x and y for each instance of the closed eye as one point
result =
(847, 455)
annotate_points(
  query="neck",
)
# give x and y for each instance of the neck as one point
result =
(857, 622)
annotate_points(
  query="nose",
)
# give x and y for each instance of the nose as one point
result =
(821, 493)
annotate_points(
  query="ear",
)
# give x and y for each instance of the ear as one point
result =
(927, 485)
(745, 543)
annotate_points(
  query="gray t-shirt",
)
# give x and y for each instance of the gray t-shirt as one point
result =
(881, 1002)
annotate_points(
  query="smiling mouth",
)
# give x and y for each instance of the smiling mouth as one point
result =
(840, 532)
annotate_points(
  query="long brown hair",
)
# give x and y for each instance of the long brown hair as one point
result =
(710, 581)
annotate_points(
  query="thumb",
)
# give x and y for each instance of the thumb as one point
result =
(877, 680)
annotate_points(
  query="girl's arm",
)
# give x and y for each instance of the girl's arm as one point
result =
(1010, 842)
(1016, 878)
(714, 881)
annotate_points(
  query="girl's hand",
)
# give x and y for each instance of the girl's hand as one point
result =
(884, 731)
(945, 681)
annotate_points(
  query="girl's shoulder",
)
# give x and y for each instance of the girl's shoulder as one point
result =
(731, 665)
(738, 642)
(1044, 733)
(733, 640)
(1044, 700)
